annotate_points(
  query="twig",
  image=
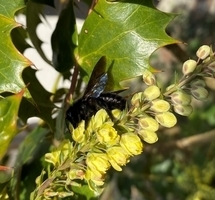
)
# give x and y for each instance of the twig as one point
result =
(185, 143)
(73, 83)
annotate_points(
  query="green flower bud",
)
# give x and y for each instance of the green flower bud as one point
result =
(197, 82)
(148, 136)
(166, 119)
(206, 60)
(200, 93)
(160, 105)
(64, 194)
(152, 92)
(48, 193)
(148, 123)
(180, 97)
(117, 157)
(136, 99)
(203, 52)
(189, 66)
(131, 143)
(148, 78)
(184, 110)
(170, 87)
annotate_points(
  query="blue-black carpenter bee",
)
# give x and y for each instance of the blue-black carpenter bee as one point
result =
(94, 99)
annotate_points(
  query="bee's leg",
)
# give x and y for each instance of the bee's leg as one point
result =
(103, 105)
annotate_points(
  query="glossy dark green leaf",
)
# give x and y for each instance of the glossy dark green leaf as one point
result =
(9, 107)
(126, 33)
(43, 105)
(60, 123)
(84, 192)
(64, 39)
(46, 2)
(19, 36)
(6, 173)
(28, 162)
(12, 63)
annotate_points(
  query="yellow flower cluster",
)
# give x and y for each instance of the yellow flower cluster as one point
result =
(106, 147)
(104, 142)
(148, 110)
(96, 147)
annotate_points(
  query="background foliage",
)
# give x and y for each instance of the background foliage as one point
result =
(179, 166)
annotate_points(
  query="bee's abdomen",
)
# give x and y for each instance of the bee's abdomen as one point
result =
(84, 109)
(113, 101)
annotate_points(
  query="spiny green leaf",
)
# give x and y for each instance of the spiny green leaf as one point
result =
(12, 62)
(9, 107)
(9, 8)
(126, 33)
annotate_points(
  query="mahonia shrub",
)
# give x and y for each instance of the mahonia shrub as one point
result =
(106, 143)
(53, 161)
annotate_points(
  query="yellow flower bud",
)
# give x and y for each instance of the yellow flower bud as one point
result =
(78, 133)
(98, 162)
(166, 119)
(53, 157)
(131, 143)
(94, 176)
(189, 66)
(184, 110)
(181, 97)
(107, 135)
(148, 123)
(148, 78)
(203, 52)
(117, 113)
(199, 93)
(96, 121)
(160, 105)
(152, 92)
(76, 174)
(148, 136)
(136, 99)
(49, 193)
(57, 157)
(100, 117)
(117, 157)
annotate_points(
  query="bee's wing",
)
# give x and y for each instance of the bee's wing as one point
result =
(98, 79)
(98, 87)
